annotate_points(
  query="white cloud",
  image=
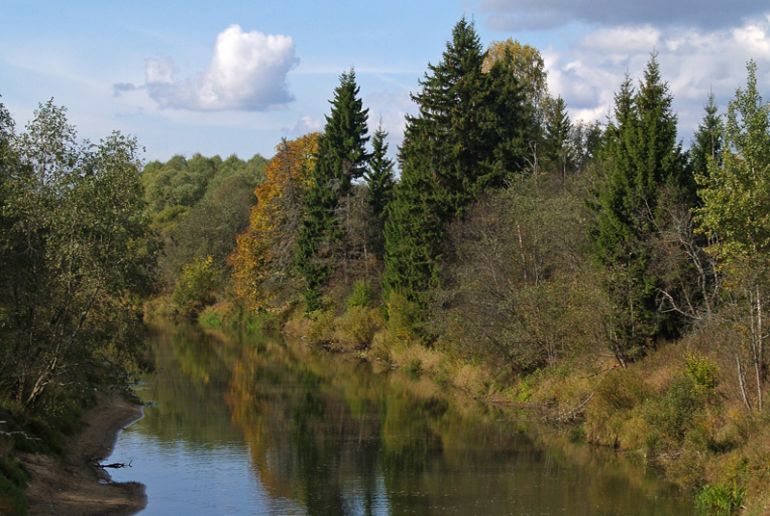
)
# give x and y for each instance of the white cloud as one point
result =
(303, 125)
(247, 72)
(389, 110)
(693, 61)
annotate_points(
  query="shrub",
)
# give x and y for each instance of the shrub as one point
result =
(360, 296)
(609, 418)
(719, 500)
(356, 327)
(402, 316)
(195, 287)
(676, 413)
(702, 372)
(320, 331)
(413, 368)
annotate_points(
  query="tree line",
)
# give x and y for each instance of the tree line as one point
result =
(641, 239)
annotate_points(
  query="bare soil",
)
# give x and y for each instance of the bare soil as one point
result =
(73, 484)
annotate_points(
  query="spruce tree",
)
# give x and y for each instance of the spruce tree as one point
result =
(642, 160)
(380, 181)
(557, 136)
(341, 159)
(707, 141)
(466, 137)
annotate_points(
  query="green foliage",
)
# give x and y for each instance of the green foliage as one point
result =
(198, 206)
(557, 137)
(341, 159)
(413, 368)
(517, 288)
(466, 137)
(77, 253)
(13, 480)
(707, 141)
(610, 416)
(736, 193)
(320, 331)
(702, 372)
(361, 295)
(380, 182)
(402, 316)
(720, 500)
(195, 287)
(355, 328)
(641, 161)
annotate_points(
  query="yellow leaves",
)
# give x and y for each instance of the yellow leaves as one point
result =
(267, 243)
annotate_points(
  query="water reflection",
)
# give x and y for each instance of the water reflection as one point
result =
(253, 427)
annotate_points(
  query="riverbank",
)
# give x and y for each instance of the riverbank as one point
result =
(72, 484)
(676, 409)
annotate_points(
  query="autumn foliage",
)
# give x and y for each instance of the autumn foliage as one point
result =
(264, 252)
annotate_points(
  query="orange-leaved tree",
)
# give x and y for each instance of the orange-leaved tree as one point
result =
(263, 257)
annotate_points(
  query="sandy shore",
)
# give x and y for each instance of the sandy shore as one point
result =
(71, 484)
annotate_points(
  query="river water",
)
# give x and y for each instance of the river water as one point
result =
(256, 428)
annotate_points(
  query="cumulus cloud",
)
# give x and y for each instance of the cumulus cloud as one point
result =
(541, 14)
(247, 72)
(303, 125)
(693, 61)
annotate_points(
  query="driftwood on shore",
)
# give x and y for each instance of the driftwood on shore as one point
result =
(114, 465)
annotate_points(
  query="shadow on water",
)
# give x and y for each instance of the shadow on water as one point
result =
(255, 427)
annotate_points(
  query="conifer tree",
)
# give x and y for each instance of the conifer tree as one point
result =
(557, 136)
(380, 180)
(466, 137)
(707, 141)
(341, 159)
(642, 158)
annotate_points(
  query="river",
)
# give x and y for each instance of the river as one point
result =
(253, 427)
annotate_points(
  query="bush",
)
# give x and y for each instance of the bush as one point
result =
(320, 331)
(360, 296)
(611, 416)
(195, 287)
(402, 316)
(413, 368)
(356, 327)
(719, 500)
(676, 413)
(702, 372)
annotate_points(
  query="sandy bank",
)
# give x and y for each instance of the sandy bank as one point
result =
(71, 484)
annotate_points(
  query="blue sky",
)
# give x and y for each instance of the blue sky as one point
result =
(235, 76)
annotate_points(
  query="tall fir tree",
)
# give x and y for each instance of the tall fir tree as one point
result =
(380, 181)
(342, 158)
(707, 141)
(466, 137)
(557, 136)
(642, 161)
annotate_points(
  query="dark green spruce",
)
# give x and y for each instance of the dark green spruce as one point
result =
(707, 141)
(643, 162)
(380, 181)
(466, 137)
(342, 158)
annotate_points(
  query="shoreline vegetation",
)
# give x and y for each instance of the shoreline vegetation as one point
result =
(598, 272)
(74, 483)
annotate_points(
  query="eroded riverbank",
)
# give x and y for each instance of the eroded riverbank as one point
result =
(72, 484)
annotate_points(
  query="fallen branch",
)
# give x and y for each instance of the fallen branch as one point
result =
(115, 465)
(25, 435)
(574, 413)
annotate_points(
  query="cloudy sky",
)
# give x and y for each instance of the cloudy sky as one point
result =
(235, 76)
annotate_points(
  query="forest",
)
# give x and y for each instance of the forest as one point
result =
(606, 275)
